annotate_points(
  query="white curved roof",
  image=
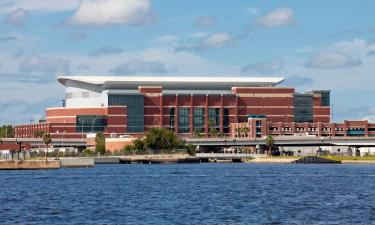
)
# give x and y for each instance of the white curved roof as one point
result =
(173, 82)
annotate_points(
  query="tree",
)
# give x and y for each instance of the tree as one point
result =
(6, 131)
(160, 138)
(100, 143)
(47, 140)
(139, 144)
(38, 134)
(270, 143)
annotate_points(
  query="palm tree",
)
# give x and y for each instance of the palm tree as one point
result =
(47, 140)
(269, 142)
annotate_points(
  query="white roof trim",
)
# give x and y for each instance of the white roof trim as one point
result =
(172, 81)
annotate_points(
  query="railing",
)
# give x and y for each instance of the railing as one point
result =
(228, 155)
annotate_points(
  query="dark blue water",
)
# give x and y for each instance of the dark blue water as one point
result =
(190, 194)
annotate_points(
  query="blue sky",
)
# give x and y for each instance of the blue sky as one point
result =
(313, 44)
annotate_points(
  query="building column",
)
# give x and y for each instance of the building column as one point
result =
(236, 109)
(345, 128)
(161, 111)
(332, 130)
(191, 114)
(319, 129)
(206, 117)
(221, 113)
(176, 115)
(366, 128)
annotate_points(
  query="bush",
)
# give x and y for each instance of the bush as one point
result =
(129, 150)
(87, 153)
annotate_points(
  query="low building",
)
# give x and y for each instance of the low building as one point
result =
(258, 126)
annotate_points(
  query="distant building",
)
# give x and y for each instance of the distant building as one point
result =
(186, 105)
(259, 126)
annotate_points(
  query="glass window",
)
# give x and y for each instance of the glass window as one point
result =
(214, 117)
(90, 123)
(135, 107)
(303, 108)
(183, 120)
(199, 119)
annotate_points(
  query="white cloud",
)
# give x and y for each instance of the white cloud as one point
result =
(205, 21)
(332, 60)
(46, 68)
(253, 11)
(266, 67)
(278, 18)
(217, 40)
(114, 12)
(166, 39)
(38, 5)
(137, 66)
(16, 17)
(21, 111)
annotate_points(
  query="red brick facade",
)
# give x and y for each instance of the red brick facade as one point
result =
(261, 127)
(274, 102)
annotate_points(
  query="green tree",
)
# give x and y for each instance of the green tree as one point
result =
(6, 131)
(129, 149)
(139, 144)
(270, 143)
(160, 138)
(38, 134)
(47, 140)
(100, 143)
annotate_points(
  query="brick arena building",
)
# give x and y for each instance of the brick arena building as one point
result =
(186, 105)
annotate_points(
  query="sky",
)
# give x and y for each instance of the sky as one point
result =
(315, 45)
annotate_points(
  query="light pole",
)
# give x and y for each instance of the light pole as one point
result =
(62, 139)
(92, 125)
(82, 132)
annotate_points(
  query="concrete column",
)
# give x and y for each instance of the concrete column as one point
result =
(333, 129)
(366, 128)
(221, 114)
(319, 129)
(176, 115)
(206, 117)
(280, 127)
(161, 110)
(236, 109)
(191, 114)
(345, 128)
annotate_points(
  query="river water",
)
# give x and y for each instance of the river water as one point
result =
(190, 194)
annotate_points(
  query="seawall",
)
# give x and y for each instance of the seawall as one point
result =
(29, 165)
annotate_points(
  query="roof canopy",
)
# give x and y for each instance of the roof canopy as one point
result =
(202, 83)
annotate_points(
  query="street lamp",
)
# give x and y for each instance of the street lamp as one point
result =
(92, 125)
